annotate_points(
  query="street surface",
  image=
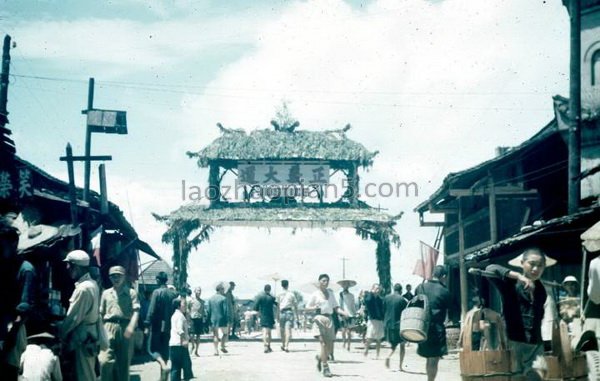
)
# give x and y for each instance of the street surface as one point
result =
(247, 362)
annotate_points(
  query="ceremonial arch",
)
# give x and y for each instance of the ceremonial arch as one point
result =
(281, 177)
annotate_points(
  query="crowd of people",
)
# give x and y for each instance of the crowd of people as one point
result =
(96, 336)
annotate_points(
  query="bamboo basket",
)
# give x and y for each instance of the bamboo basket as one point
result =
(485, 364)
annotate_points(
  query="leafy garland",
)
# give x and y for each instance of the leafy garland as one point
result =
(384, 235)
(180, 230)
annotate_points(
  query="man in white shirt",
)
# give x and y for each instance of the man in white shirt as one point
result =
(38, 362)
(324, 304)
(592, 307)
(348, 304)
(288, 312)
(179, 340)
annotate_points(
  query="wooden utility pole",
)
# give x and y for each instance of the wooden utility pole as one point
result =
(344, 259)
(103, 191)
(575, 107)
(7, 145)
(88, 143)
(72, 189)
(461, 261)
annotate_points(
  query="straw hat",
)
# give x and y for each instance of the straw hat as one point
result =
(36, 234)
(44, 335)
(346, 283)
(516, 261)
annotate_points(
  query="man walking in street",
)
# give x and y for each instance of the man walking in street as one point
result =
(393, 305)
(158, 322)
(265, 306)
(408, 295)
(232, 318)
(119, 309)
(288, 313)
(438, 299)
(198, 316)
(374, 309)
(348, 304)
(324, 304)
(218, 313)
(79, 330)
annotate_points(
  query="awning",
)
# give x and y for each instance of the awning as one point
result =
(591, 238)
(143, 246)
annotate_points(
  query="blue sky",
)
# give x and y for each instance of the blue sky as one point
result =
(434, 86)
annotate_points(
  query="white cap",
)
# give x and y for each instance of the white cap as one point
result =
(78, 257)
(569, 278)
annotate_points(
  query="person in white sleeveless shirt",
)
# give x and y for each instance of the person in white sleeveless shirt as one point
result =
(324, 304)
(348, 304)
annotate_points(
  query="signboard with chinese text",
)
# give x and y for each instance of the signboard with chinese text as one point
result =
(283, 174)
(16, 184)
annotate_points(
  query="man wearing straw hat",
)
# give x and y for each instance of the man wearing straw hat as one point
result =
(438, 299)
(39, 362)
(348, 304)
(119, 308)
(523, 297)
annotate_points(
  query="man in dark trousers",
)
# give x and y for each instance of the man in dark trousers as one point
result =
(265, 305)
(158, 322)
(438, 298)
(393, 305)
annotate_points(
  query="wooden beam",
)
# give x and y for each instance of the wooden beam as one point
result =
(492, 206)
(499, 191)
(423, 223)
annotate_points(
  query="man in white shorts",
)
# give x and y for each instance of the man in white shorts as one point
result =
(375, 313)
(324, 304)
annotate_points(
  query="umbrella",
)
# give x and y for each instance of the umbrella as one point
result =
(591, 238)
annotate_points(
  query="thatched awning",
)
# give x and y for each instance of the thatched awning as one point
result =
(269, 144)
(297, 217)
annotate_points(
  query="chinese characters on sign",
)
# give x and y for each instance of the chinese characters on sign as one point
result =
(288, 174)
(19, 186)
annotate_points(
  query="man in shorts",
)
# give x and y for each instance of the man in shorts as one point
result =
(393, 305)
(288, 312)
(265, 306)
(218, 312)
(348, 304)
(324, 304)
(374, 309)
(438, 298)
(198, 315)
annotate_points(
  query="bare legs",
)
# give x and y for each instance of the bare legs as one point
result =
(377, 347)
(402, 353)
(432, 368)
(267, 339)
(224, 335)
